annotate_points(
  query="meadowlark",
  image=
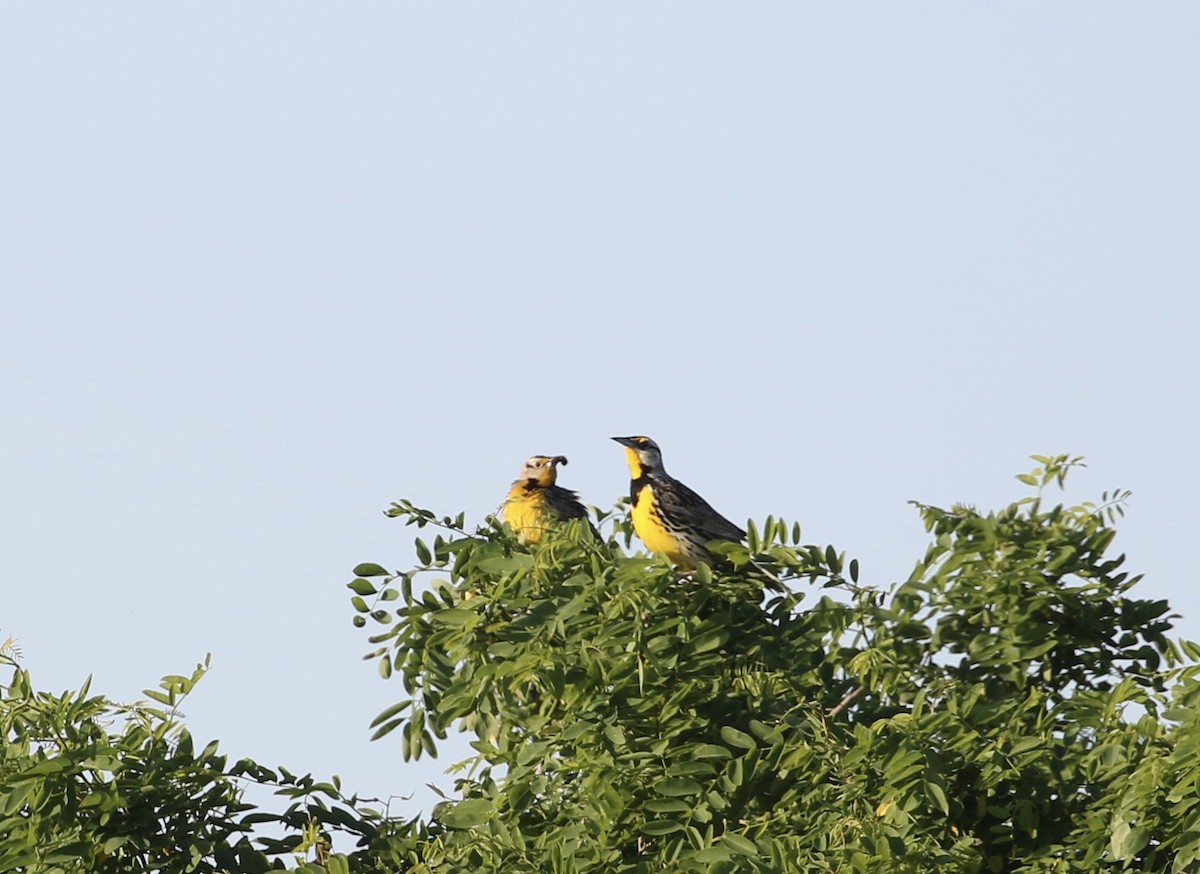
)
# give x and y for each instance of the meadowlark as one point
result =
(670, 518)
(534, 502)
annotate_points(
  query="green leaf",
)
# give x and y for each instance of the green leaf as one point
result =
(667, 805)
(707, 641)
(533, 752)
(387, 728)
(709, 855)
(736, 738)
(939, 797)
(361, 587)
(453, 616)
(115, 843)
(160, 697)
(677, 786)
(466, 814)
(370, 569)
(424, 556)
(49, 766)
(506, 564)
(691, 769)
(661, 827)
(387, 714)
(711, 751)
(1026, 744)
(739, 844)
(427, 744)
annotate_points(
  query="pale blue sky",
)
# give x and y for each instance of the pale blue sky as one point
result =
(268, 267)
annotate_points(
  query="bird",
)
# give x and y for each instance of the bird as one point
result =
(534, 502)
(671, 519)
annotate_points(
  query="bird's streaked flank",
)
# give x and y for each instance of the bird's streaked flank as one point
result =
(535, 502)
(671, 519)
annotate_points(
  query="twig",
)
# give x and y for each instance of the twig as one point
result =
(845, 702)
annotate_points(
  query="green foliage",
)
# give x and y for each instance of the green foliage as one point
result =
(1009, 707)
(91, 786)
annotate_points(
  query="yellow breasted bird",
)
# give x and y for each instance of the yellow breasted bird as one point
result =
(534, 502)
(669, 517)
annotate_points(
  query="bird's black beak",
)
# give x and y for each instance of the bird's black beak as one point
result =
(626, 441)
(558, 459)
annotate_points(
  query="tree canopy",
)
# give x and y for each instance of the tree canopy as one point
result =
(1011, 706)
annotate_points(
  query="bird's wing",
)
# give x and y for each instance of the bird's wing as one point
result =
(565, 503)
(692, 506)
(713, 526)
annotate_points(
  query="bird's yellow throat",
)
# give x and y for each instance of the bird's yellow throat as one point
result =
(635, 464)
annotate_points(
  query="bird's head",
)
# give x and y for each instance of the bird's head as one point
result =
(541, 469)
(643, 455)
